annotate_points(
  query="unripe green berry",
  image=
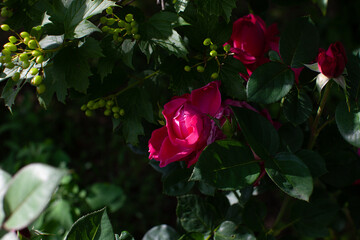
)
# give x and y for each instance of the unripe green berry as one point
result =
(37, 80)
(214, 75)
(187, 68)
(7, 58)
(40, 89)
(122, 112)
(120, 39)
(103, 20)
(116, 115)
(105, 29)
(16, 77)
(109, 10)
(32, 44)
(24, 34)
(107, 112)
(207, 42)
(5, 27)
(213, 53)
(23, 57)
(115, 109)
(36, 53)
(83, 108)
(90, 104)
(110, 21)
(137, 36)
(128, 27)
(200, 69)
(89, 113)
(117, 30)
(6, 52)
(134, 30)
(109, 103)
(26, 40)
(4, 12)
(133, 24)
(115, 36)
(96, 105)
(13, 39)
(213, 47)
(34, 71)
(121, 23)
(227, 47)
(36, 29)
(111, 30)
(40, 59)
(11, 47)
(129, 17)
(25, 64)
(102, 103)
(10, 65)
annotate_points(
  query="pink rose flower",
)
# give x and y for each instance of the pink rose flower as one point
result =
(332, 62)
(189, 127)
(251, 40)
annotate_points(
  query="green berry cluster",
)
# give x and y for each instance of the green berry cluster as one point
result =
(200, 67)
(6, 12)
(21, 51)
(110, 106)
(120, 28)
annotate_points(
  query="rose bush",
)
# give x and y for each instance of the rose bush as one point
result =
(251, 40)
(189, 126)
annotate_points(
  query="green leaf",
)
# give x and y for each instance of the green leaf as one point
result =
(28, 194)
(254, 214)
(91, 48)
(192, 236)
(258, 131)
(174, 44)
(269, 83)
(217, 7)
(177, 182)
(71, 65)
(230, 79)
(10, 92)
(161, 232)
(94, 226)
(127, 50)
(125, 235)
(85, 28)
(194, 214)
(299, 43)
(291, 175)
(314, 162)
(51, 41)
(229, 230)
(60, 213)
(292, 138)
(353, 78)
(4, 180)
(160, 25)
(227, 165)
(10, 236)
(297, 107)
(348, 123)
(105, 194)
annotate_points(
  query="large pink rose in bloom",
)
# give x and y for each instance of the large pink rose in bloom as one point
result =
(332, 61)
(251, 40)
(189, 127)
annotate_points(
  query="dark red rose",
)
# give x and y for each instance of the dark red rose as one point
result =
(332, 61)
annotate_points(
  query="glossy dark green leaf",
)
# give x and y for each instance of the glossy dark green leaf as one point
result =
(230, 231)
(127, 50)
(4, 180)
(218, 7)
(105, 194)
(258, 131)
(254, 214)
(299, 43)
(194, 214)
(231, 81)
(297, 107)
(174, 44)
(94, 226)
(206, 189)
(177, 182)
(314, 161)
(348, 123)
(161, 232)
(160, 24)
(51, 41)
(125, 235)
(192, 236)
(227, 165)
(269, 83)
(60, 212)
(291, 137)
(353, 78)
(85, 28)
(291, 175)
(28, 194)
